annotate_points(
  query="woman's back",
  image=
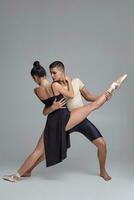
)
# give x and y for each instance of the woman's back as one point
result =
(46, 92)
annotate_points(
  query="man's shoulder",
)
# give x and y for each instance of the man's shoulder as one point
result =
(78, 82)
(76, 79)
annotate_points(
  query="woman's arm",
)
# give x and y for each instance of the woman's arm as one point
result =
(68, 93)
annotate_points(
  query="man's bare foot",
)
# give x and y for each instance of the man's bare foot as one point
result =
(105, 175)
(27, 174)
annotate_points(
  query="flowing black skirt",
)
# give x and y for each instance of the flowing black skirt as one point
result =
(56, 140)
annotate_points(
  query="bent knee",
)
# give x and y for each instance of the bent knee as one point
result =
(100, 143)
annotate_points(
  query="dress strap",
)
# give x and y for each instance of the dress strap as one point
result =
(52, 89)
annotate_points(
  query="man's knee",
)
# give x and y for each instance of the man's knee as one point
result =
(100, 143)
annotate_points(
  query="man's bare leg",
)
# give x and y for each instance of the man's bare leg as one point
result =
(102, 153)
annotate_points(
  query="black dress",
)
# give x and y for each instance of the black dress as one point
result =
(56, 140)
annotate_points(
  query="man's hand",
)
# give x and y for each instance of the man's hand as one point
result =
(58, 104)
(108, 95)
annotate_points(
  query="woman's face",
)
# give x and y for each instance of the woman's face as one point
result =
(57, 74)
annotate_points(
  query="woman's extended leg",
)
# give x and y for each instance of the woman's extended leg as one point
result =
(79, 114)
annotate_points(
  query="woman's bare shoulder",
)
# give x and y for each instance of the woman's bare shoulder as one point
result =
(39, 90)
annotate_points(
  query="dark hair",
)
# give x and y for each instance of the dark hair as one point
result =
(57, 64)
(38, 70)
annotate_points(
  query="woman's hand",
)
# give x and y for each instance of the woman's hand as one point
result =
(68, 79)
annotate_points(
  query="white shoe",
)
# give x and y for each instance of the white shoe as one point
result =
(12, 178)
(116, 84)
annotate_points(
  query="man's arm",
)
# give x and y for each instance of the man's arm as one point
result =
(92, 97)
(88, 95)
(56, 105)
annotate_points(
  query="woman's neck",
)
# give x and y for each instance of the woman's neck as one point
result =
(44, 82)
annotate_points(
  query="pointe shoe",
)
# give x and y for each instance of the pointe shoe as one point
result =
(12, 178)
(116, 84)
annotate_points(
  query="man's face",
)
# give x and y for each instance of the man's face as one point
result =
(57, 74)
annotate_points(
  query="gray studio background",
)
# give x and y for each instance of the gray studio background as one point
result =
(95, 41)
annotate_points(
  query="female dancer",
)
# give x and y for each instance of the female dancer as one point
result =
(53, 142)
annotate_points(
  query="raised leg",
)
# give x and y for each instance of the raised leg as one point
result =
(79, 114)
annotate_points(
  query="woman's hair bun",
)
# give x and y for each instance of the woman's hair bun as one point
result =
(36, 64)
(38, 69)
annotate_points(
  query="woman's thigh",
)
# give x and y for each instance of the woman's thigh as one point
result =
(78, 115)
